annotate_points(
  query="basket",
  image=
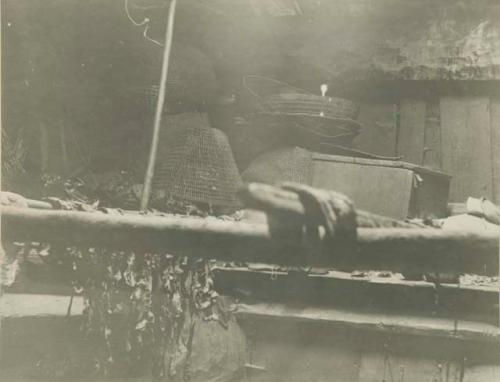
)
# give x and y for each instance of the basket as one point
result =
(195, 162)
(311, 118)
(311, 105)
(305, 130)
(288, 164)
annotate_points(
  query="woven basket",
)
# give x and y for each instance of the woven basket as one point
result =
(288, 164)
(312, 105)
(310, 119)
(195, 162)
(305, 130)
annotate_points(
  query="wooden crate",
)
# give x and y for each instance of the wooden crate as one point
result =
(391, 188)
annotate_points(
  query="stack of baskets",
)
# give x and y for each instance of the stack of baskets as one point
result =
(303, 119)
(303, 122)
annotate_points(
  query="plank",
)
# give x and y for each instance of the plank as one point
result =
(466, 148)
(379, 128)
(342, 289)
(411, 134)
(380, 182)
(343, 319)
(495, 146)
(432, 136)
(38, 305)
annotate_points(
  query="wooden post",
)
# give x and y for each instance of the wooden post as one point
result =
(148, 179)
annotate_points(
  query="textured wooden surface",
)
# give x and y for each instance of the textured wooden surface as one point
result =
(420, 192)
(285, 340)
(495, 146)
(377, 184)
(432, 147)
(411, 133)
(466, 146)
(379, 128)
(396, 249)
(371, 291)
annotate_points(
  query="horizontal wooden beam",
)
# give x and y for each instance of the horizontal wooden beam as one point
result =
(395, 249)
(384, 323)
(328, 288)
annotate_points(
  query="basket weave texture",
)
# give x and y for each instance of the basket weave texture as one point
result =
(195, 162)
(311, 105)
(310, 118)
(289, 164)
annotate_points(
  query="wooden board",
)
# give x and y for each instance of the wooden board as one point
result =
(495, 146)
(411, 134)
(391, 324)
(377, 183)
(363, 291)
(466, 147)
(432, 147)
(379, 128)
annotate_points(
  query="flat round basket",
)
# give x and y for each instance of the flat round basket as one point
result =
(307, 131)
(311, 105)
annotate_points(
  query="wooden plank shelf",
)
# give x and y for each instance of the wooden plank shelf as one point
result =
(264, 283)
(379, 322)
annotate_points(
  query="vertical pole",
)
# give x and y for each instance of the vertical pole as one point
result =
(148, 179)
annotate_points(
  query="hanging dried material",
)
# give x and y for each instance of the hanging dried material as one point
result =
(140, 310)
(13, 155)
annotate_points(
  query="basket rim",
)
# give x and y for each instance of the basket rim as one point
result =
(311, 98)
(350, 121)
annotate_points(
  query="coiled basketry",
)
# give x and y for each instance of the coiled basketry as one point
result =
(310, 105)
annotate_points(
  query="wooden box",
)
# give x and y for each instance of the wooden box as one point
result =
(391, 188)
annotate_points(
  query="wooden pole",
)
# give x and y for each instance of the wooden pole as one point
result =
(394, 249)
(148, 179)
